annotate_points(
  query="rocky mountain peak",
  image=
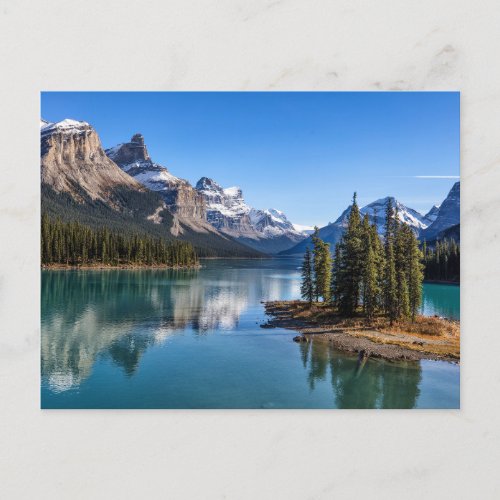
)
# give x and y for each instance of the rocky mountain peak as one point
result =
(448, 214)
(138, 138)
(180, 197)
(207, 184)
(266, 230)
(129, 153)
(73, 161)
(432, 214)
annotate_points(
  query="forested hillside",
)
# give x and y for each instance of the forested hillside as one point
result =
(72, 243)
(98, 215)
(442, 262)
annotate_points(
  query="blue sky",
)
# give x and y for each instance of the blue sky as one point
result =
(300, 152)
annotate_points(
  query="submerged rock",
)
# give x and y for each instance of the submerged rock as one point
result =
(267, 325)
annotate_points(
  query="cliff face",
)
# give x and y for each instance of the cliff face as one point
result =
(73, 161)
(226, 209)
(180, 197)
(131, 152)
(81, 183)
(447, 216)
(268, 231)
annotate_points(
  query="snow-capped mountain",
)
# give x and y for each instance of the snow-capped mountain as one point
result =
(265, 230)
(225, 208)
(448, 215)
(301, 228)
(432, 214)
(73, 162)
(66, 126)
(376, 214)
(80, 182)
(180, 197)
(271, 222)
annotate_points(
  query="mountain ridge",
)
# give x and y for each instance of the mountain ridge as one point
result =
(267, 230)
(420, 224)
(79, 182)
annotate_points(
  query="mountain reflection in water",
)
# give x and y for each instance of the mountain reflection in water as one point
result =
(89, 313)
(192, 339)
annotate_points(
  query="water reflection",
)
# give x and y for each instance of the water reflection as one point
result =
(191, 338)
(119, 314)
(362, 383)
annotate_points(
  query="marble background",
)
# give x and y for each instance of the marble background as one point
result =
(243, 45)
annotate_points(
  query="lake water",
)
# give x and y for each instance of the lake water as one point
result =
(191, 339)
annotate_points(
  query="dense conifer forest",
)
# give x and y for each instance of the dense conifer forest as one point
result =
(442, 262)
(98, 215)
(72, 243)
(367, 276)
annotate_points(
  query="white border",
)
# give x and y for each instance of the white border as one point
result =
(243, 45)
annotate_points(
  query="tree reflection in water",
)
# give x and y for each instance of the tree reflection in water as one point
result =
(362, 383)
(120, 313)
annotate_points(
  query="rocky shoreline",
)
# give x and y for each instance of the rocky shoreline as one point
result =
(365, 341)
(103, 267)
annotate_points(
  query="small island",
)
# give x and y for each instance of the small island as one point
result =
(367, 299)
(425, 338)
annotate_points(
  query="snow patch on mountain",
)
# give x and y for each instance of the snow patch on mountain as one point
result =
(181, 198)
(433, 213)
(66, 126)
(228, 212)
(376, 214)
(332, 233)
(447, 216)
(301, 228)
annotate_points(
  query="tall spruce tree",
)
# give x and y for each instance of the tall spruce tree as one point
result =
(336, 280)
(401, 264)
(307, 285)
(316, 240)
(390, 286)
(324, 272)
(379, 258)
(351, 254)
(415, 274)
(322, 265)
(370, 286)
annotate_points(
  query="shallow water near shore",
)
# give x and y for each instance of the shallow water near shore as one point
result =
(192, 339)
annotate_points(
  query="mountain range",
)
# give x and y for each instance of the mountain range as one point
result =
(124, 189)
(207, 204)
(79, 182)
(435, 225)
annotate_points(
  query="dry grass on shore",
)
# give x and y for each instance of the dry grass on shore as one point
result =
(439, 336)
(320, 313)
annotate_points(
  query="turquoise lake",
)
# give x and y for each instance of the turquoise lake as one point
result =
(191, 339)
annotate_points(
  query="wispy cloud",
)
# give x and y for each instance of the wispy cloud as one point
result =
(435, 176)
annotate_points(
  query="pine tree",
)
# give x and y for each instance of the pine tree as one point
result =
(316, 261)
(415, 275)
(73, 243)
(307, 285)
(351, 255)
(390, 292)
(336, 280)
(325, 272)
(370, 285)
(401, 265)
(322, 265)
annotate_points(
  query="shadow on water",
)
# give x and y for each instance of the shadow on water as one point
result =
(359, 382)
